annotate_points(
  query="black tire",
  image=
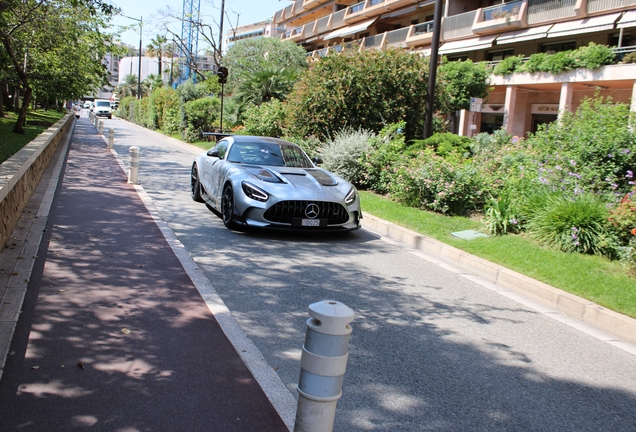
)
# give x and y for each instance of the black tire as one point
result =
(195, 185)
(227, 207)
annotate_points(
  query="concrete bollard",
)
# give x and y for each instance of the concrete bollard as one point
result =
(111, 137)
(322, 365)
(101, 128)
(134, 165)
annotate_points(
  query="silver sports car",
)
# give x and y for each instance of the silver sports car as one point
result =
(271, 183)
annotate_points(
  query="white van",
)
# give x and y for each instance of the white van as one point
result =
(102, 108)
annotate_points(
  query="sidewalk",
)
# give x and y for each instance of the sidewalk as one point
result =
(113, 334)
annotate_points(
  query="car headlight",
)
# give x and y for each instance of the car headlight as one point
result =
(351, 196)
(254, 192)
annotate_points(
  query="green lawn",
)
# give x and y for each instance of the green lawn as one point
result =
(607, 283)
(37, 122)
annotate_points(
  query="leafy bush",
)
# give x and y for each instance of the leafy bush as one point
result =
(593, 56)
(459, 81)
(444, 144)
(431, 182)
(200, 115)
(591, 150)
(385, 149)
(629, 58)
(571, 225)
(367, 90)
(344, 154)
(508, 65)
(266, 119)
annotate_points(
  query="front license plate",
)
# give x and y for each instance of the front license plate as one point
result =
(310, 222)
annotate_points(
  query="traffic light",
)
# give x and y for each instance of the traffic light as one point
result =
(222, 73)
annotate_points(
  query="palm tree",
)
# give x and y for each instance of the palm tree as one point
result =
(265, 85)
(128, 87)
(157, 48)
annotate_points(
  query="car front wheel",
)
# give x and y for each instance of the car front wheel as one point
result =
(227, 206)
(195, 185)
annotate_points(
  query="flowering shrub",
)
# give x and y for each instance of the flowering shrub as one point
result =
(623, 216)
(429, 181)
(343, 155)
(591, 150)
(501, 215)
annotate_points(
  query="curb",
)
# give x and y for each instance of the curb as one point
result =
(586, 311)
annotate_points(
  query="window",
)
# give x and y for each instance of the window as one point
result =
(625, 42)
(500, 55)
(558, 47)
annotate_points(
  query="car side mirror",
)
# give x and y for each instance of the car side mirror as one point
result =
(213, 153)
(316, 160)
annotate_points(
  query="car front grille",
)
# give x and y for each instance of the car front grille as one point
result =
(287, 211)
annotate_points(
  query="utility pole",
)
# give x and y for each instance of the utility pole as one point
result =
(432, 76)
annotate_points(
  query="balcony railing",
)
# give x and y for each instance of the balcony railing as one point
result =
(505, 10)
(375, 2)
(323, 25)
(356, 7)
(457, 26)
(594, 6)
(374, 41)
(397, 37)
(549, 10)
(424, 28)
(337, 19)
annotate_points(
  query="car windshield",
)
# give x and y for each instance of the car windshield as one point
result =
(260, 153)
(103, 103)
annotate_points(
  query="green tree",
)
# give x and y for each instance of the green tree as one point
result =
(158, 48)
(42, 32)
(362, 90)
(250, 56)
(461, 80)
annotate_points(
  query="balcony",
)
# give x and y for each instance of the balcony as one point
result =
(420, 34)
(355, 13)
(376, 41)
(323, 25)
(540, 11)
(297, 33)
(397, 38)
(502, 17)
(458, 26)
(391, 5)
(594, 6)
(308, 4)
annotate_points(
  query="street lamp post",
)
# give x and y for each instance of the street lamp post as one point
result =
(141, 24)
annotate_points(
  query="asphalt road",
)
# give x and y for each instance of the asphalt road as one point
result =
(430, 350)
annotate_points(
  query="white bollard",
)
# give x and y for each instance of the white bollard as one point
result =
(322, 365)
(101, 128)
(134, 165)
(111, 137)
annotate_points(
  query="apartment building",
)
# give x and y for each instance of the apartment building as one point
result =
(484, 30)
(251, 31)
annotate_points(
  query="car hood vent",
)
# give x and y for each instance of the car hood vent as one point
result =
(322, 177)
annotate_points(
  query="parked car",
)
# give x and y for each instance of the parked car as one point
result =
(271, 183)
(87, 105)
(102, 108)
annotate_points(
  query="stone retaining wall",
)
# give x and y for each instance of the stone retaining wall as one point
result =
(21, 173)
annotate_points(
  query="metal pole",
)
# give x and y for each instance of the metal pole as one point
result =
(432, 76)
(221, 32)
(221, 118)
(141, 24)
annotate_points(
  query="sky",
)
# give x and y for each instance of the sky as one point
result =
(153, 13)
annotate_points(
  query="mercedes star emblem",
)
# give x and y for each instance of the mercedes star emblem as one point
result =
(312, 210)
